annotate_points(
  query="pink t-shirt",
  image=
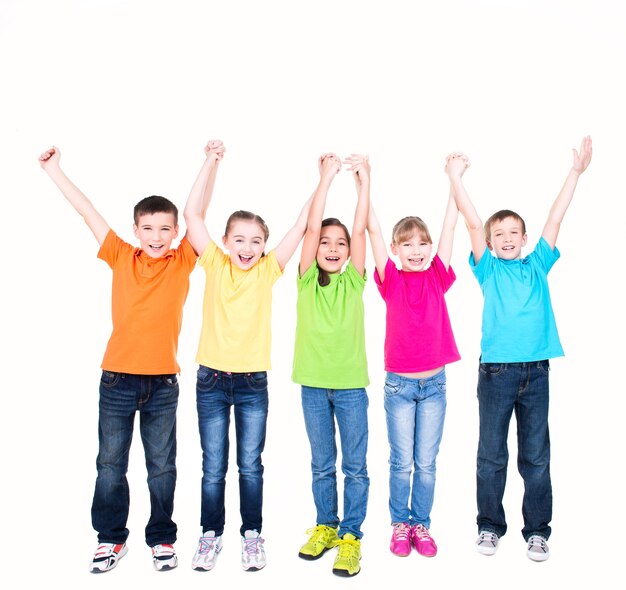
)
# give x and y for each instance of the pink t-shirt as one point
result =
(419, 335)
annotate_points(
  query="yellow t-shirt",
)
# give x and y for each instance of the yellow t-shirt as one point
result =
(236, 313)
(147, 306)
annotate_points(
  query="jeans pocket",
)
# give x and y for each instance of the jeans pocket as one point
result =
(170, 380)
(392, 387)
(109, 379)
(206, 378)
(257, 381)
(491, 368)
(544, 366)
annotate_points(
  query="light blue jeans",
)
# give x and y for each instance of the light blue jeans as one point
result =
(415, 411)
(349, 407)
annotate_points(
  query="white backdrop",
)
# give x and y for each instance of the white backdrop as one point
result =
(131, 92)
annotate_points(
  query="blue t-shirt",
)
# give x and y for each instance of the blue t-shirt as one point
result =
(518, 321)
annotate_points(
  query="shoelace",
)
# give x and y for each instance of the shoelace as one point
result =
(421, 531)
(318, 533)
(253, 546)
(537, 541)
(348, 547)
(401, 531)
(206, 544)
(487, 537)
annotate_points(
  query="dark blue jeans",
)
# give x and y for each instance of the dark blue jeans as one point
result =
(155, 397)
(216, 392)
(504, 388)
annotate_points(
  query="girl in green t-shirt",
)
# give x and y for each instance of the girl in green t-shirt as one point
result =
(331, 366)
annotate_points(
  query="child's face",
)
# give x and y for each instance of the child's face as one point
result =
(507, 238)
(155, 233)
(414, 253)
(333, 249)
(245, 243)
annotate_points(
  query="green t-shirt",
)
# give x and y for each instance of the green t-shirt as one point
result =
(330, 334)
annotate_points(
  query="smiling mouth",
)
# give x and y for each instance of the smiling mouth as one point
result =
(332, 258)
(156, 247)
(245, 259)
(416, 260)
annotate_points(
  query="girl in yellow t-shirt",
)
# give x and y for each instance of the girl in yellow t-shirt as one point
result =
(234, 355)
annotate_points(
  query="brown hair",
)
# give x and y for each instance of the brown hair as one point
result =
(324, 278)
(247, 216)
(499, 216)
(155, 204)
(409, 226)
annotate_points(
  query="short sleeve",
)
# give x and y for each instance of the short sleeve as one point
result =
(112, 247)
(446, 277)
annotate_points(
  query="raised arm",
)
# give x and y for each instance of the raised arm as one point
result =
(287, 246)
(49, 161)
(360, 168)
(564, 198)
(455, 166)
(377, 242)
(446, 239)
(329, 165)
(200, 197)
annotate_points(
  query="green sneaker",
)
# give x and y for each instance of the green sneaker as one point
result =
(321, 540)
(348, 560)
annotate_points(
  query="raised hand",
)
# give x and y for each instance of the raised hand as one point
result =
(582, 158)
(49, 157)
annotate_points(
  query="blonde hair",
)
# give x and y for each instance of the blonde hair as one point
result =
(409, 226)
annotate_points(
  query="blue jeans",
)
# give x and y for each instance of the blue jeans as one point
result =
(349, 407)
(503, 389)
(415, 411)
(155, 397)
(216, 392)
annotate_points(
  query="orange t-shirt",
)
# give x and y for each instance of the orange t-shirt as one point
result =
(147, 301)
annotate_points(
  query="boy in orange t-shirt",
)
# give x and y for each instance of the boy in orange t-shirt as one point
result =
(139, 369)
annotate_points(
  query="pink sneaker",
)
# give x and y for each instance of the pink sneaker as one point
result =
(424, 543)
(401, 539)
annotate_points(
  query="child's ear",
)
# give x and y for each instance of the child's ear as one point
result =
(524, 240)
(135, 230)
(489, 245)
(224, 238)
(176, 230)
(394, 249)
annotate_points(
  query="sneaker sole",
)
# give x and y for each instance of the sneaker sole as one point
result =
(344, 573)
(486, 550)
(310, 557)
(537, 557)
(94, 570)
(253, 568)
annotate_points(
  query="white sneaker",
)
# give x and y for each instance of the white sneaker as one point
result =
(537, 548)
(164, 557)
(106, 557)
(209, 547)
(252, 552)
(487, 542)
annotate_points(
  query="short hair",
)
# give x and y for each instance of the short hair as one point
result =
(323, 277)
(407, 227)
(155, 204)
(500, 216)
(247, 216)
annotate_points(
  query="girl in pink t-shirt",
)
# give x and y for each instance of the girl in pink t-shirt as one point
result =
(418, 344)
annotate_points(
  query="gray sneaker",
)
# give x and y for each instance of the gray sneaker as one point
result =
(209, 547)
(487, 542)
(537, 548)
(252, 552)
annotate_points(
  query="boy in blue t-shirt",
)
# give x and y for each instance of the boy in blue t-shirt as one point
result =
(519, 336)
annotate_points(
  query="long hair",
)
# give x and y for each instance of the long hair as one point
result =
(324, 278)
